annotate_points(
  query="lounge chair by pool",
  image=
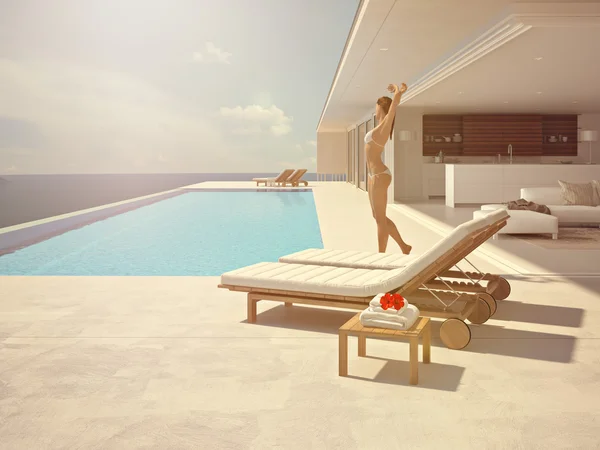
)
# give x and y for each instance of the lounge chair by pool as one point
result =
(470, 281)
(295, 178)
(346, 287)
(279, 179)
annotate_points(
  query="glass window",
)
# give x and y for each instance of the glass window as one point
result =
(362, 130)
(369, 128)
(354, 157)
(348, 153)
(351, 176)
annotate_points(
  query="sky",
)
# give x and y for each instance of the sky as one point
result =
(163, 86)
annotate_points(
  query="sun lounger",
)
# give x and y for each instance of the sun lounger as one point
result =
(345, 287)
(279, 179)
(295, 178)
(495, 285)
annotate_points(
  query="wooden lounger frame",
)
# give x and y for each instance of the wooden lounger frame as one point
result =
(496, 286)
(447, 304)
(295, 178)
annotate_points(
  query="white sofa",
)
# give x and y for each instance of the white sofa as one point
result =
(523, 222)
(566, 214)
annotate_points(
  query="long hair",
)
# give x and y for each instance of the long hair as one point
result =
(385, 103)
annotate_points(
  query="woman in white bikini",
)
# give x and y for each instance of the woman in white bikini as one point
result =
(379, 176)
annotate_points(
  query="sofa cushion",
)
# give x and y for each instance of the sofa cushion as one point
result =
(577, 194)
(576, 214)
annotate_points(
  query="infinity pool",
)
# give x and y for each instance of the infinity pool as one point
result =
(195, 233)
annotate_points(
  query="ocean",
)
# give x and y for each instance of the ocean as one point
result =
(24, 198)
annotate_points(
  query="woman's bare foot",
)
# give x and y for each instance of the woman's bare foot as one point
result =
(406, 249)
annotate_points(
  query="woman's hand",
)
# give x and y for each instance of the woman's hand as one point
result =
(394, 89)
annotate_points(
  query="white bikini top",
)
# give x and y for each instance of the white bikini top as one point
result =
(369, 138)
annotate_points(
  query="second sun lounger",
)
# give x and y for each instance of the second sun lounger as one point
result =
(279, 179)
(496, 285)
(295, 178)
(353, 288)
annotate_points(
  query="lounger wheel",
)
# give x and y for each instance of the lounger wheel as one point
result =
(490, 300)
(499, 288)
(455, 334)
(481, 312)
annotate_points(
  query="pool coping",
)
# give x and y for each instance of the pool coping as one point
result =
(24, 235)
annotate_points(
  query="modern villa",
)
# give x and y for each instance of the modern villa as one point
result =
(500, 93)
(222, 315)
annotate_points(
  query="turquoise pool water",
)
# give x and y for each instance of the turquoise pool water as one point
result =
(195, 233)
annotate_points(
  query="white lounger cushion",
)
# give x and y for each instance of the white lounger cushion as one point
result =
(367, 260)
(349, 258)
(315, 279)
(351, 282)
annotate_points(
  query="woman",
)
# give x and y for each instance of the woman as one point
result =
(379, 176)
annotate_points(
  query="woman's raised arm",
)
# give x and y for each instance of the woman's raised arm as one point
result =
(386, 123)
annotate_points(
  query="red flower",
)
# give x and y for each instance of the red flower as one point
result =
(398, 302)
(392, 301)
(386, 301)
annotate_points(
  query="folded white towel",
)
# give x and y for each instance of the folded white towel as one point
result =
(389, 311)
(376, 303)
(402, 321)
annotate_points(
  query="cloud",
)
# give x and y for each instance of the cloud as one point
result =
(102, 121)
(300, 158)
(255, 119)
(212, 54)
(313, 143)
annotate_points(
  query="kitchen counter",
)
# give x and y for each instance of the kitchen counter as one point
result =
(499, 183)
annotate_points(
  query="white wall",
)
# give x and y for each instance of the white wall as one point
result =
(408, 155)
(332, 152)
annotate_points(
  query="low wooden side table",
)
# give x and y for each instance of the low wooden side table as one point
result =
(353, 327)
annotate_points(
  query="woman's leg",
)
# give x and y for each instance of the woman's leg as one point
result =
(395, 234)
(379, 188)
(379, 200)
(370, 194)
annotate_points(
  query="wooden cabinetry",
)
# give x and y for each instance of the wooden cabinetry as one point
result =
(560, 135)
(441, 128)
(491, 134)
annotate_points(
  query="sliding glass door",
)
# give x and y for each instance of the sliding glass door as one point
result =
(369, 127)
(350, 155)
(353, 154)
(355, 175)
(362, 182)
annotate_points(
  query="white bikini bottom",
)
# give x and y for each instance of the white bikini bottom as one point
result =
(371, 175)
